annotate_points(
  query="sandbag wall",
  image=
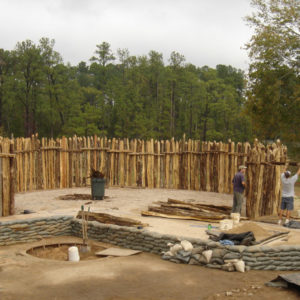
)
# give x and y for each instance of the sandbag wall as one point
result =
(185, 164)
(281, 258)
(34, 229)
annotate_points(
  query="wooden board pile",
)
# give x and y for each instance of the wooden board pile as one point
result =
(110, 219)
(177, 209)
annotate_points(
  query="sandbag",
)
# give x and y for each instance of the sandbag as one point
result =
(207, 254)
(174, 249)
(186, 245)
(240, 266)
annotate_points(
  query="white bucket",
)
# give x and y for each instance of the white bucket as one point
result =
(73, 254)
(235, 217)
(226, 224)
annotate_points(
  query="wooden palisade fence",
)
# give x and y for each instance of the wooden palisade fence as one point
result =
(185, 164)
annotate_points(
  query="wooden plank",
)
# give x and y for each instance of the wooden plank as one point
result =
(162, 165)
(112, 162)
(189, 158)
(208, 155)
(44, 181)
(39, 166)
(277, 180)
(159, 158)
(11, 179)
(17, 147)
(122, 162)
(221, 187)
(57, 165)
(117, 163)
(260, 175)
(5, 179)
(95, 153)
(76, 161)
(172, 164)
(151, 158)
(176, 165)
(1, 188)
(161, 215)
(117, 252)
(155, 169)
(233, 164)
(110, 219)
(88, 163)
(31, 160)
(203, 167)
(134, 164)
(216, 208)
(127, 164)
(22, 165)
(70, 161)
(143, 164)
(197, 165)
(167, 165)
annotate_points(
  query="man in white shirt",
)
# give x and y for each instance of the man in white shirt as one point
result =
(287, 201)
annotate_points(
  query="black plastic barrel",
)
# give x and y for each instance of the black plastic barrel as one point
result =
(98, 187)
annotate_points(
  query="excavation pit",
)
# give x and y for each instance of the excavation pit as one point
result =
(59, 251)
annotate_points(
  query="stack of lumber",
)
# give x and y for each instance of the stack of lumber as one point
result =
(176, 209)
(110, 219)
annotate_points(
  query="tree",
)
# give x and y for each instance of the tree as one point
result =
(274, 50)
(5, 73)
(28, 75)
(104, 54)
(276, 41)
(51, 59)
(176, 67)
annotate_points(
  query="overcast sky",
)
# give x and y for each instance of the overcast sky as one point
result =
(206, 32)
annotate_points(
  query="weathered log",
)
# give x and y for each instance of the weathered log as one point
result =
(223, 209)
(109, 219)
(273, 238)
(189, 208)
(184, 212)
(161, 215)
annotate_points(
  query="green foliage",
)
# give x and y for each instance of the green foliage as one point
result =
(273, 98)
(138, 97)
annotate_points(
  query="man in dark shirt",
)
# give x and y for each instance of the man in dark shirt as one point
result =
(238, 189)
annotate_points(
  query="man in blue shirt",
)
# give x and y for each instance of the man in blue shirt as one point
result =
(238, 189)
(287, 200)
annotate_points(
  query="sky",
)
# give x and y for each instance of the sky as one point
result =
(206, 32)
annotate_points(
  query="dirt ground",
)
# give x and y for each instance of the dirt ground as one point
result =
(123, 202)
(129, 202)
(139, 277)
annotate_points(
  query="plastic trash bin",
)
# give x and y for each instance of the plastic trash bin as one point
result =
(98, 188)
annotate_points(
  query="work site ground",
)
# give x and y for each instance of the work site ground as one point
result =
(141, 276)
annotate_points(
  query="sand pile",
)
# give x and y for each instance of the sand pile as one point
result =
(259, 232)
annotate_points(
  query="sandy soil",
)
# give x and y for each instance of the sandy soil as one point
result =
(142, 276)
(129, 202)
(125, 202)
(60, 252)
(139, 277)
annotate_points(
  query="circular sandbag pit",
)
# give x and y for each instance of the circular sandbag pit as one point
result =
(60, 251)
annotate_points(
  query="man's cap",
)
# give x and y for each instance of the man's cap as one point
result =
(242, 167)
(288, 173)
